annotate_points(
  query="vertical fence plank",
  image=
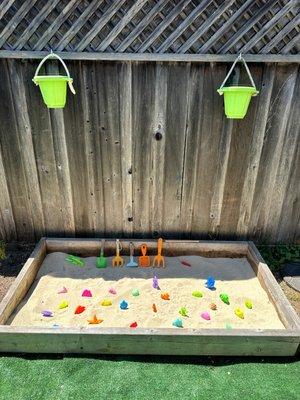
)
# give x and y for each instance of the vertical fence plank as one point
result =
(143, 78)
(176, 119)
(157, 146)
(8, 228)
(125, 87)
(192, 146)
(61, 152)
(26, 145)
(275, 136)
(255, 150)
(44, 152)
(210, 136)
(12, 160)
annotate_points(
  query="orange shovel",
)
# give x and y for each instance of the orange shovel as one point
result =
(159, 260)
(144, 261)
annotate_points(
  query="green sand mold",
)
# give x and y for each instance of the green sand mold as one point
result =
(75, 260)
(197, 293)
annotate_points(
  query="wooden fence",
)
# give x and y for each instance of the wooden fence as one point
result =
(144, 149)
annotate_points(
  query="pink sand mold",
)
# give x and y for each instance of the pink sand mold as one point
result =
(86, 293)
(112, 290)
(205, 315)
(63, 290)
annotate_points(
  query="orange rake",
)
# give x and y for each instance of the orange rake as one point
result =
(118, 261)
(159, 260)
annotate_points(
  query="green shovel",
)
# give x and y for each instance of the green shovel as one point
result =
(101, 261)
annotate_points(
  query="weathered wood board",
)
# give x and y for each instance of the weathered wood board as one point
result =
(281, 342)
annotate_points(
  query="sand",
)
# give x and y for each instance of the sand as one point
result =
(233, 276)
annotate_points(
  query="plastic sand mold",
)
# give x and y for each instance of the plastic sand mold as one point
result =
(124, 305)
(94, 320)
(63, 304)
(79, 309)
(196, 293)
(165, 296)
(86, 293)
(75, 260)
(106, 303)
(178, 323)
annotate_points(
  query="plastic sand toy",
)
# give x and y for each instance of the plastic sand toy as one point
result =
(63, 304)
(155, 284)
(75, 260)
(239, 313)
(185, 263)
(86, 293)
(131, 263)
(225, 298)
(124, 305)
(118, 261)
(197, 293)
(106, 303)
(79, 309)
(53, 87)
(213, 306)
(133, 325)
(248, 304)
(165, 296)
(159, 260)
(47, 313)
(112, 290)
(178, 323)
(101, 261)
(183, 311)
(205, 315)
(228, 326)
(210, 283)
(63, 290)
(144, 260)
(94, 320)
(154, 308)
(135, 292)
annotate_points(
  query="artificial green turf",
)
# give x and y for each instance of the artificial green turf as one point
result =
(118, 377)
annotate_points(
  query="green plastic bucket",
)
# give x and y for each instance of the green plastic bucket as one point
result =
(54, 87)
(237, 99)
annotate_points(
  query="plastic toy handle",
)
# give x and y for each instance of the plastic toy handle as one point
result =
(53, 55)
(131, 249)
(159, 246)
(239, 58)
(118, 247)
(144, 249)
(102, 247)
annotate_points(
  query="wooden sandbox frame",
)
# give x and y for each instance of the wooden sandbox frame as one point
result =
(164, 341)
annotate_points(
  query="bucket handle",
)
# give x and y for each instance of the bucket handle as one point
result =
(241, 59)
(53, 55)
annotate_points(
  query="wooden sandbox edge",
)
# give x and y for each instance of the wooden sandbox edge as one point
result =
(218, 342)
(276, 295)
(207, 248)
(23, 281)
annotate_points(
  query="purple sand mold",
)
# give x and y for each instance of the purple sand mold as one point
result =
(155, 282)
(47, 313)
